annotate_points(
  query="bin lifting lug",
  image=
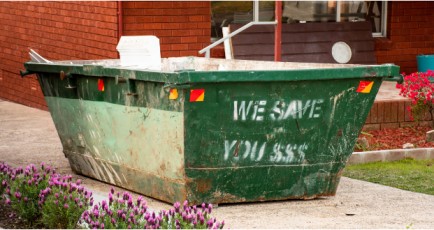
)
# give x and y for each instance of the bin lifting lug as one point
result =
(24, 73)
(68, 77)
(131, 85)
(399, 79)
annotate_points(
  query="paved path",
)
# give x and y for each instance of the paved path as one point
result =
(28, 135)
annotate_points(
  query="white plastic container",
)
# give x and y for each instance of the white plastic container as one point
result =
(140, 52)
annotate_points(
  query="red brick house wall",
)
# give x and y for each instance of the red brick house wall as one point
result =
(184, 28)
(56, 30)
(89, 30)
(410, 33)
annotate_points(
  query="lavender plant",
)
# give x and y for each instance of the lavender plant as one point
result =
(118, 213)
(189, 217)
(25, 187)
(63, 202)
(5, 171)
(58, 202)
(121, 212)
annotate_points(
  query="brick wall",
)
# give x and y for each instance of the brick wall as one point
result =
(56, 30)
(410, 32)
(183, 27)
(393, 114)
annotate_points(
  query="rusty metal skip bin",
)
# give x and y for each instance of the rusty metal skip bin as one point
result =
(211, 130)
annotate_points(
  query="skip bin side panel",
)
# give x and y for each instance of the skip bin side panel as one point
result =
(259, 140)
(128, 134)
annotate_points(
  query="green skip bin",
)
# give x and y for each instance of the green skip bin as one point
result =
(211, 130)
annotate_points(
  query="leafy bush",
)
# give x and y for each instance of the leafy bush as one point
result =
(118, 213)
(190, 217)
(63, 202)
(5, 171)
(25, 189)
(419, 89)
(122, 212)
(55, 201)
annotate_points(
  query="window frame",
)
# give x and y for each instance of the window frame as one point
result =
(383, 26)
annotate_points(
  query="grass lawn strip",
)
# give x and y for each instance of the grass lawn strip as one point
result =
(406, 174)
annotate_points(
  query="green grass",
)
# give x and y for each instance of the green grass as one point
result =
(407, 174)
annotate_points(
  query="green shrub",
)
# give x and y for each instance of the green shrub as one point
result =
(63, 202)
(25, 189)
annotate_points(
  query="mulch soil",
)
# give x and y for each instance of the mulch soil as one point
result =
(395, 138)
(9, 220)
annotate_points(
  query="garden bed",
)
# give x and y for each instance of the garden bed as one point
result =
(386, 139)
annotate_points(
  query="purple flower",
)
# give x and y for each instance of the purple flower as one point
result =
(194, 208)
(112, 191)
(56, 202)
(210, 223)
(139, 200)
(8, 201)
(56, 195)
(177, 205)
(26, 199)
(18, 195)
(209, 208)
(66, 206)
(95, 213)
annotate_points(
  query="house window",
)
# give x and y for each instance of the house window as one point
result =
(226, 12)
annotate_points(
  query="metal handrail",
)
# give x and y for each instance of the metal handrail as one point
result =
(208, 48)
(252, 23)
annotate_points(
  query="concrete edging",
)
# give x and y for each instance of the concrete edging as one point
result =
(391, 155)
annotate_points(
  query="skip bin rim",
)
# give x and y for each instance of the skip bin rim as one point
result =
(192, 76)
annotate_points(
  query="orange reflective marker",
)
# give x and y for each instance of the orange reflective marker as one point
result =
(365, 86)
(173, 95)
(101, 85)
(197, 95)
